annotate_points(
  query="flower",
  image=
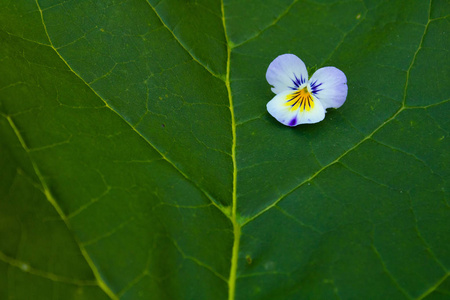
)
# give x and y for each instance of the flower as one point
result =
(299, 100)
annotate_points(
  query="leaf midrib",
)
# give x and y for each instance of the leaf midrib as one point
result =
(233, 217)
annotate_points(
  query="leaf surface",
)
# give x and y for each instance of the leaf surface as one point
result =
(138, 160)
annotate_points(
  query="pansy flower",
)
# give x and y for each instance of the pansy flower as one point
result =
(300, 99)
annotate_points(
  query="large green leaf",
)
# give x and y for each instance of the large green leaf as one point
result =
(138, 161)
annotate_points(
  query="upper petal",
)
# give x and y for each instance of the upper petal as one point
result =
(288, 116)
(329, 85)
(286, 72)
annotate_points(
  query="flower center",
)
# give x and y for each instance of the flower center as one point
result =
(300, 98)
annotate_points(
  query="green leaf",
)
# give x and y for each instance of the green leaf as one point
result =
(138, 160)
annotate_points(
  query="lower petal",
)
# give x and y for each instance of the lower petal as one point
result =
(329, 85)
(288, 116)
(314, 115)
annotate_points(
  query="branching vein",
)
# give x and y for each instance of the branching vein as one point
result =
(58, 209)
(182, 45)
(233, 217)
(25, 267)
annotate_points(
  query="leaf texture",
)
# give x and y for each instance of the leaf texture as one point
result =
(138, 160)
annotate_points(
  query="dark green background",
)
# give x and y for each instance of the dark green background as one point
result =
(136, 150)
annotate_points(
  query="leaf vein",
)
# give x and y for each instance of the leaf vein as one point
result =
(182, 45)
(323, 168)
(344, 36)
(107, 234)
(421, 238)
(274, 22)
(60, 212)
(197, 261)
(25, 267)
(408, 154)
(300, 223)
(388, 273)
(405, 90)
(434, 287)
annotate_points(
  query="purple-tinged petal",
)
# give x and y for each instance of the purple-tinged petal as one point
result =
(286, 72)
(292, 115)
(329, 86)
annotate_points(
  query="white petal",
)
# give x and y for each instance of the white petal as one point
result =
(286, 72)
(329, 85)
(278, 109)
(314, 115)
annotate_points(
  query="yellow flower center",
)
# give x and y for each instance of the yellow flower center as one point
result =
(300, 98)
